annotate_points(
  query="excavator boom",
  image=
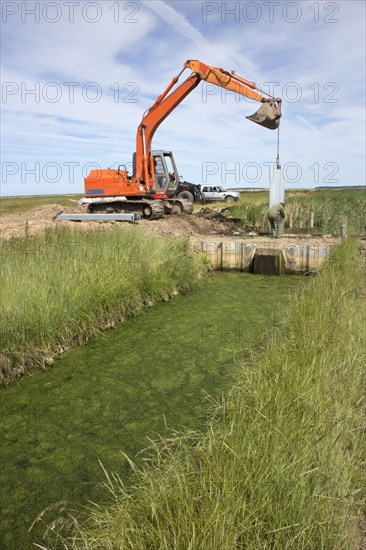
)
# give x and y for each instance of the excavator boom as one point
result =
(268, 115)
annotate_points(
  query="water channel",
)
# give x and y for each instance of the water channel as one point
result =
(147, 377)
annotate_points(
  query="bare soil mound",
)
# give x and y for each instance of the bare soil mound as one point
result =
(208, 224)
(30, 222)
(38, 219)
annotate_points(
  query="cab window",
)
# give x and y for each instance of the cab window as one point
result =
(159, 166)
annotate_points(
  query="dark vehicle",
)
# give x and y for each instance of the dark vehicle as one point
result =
(190, 191)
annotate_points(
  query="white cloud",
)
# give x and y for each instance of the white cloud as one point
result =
(316, 56)
(177, 21)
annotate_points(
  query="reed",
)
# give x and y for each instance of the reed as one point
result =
(62, 287)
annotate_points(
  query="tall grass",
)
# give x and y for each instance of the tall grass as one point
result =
(61, 287)
(331, 209)
(280, 465)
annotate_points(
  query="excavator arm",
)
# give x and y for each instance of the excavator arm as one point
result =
(268, 115)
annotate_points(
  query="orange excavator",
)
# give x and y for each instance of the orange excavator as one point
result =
(150, 191)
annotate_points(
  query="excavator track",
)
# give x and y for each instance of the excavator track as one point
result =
(157, 210)
(150, 210)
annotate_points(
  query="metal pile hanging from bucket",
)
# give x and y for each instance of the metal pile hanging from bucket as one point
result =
(268, 115)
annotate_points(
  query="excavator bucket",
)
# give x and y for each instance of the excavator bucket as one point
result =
(268, 115)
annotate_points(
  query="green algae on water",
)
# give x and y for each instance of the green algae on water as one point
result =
(149, 376)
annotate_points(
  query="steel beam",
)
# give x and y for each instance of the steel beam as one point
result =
(98, 217)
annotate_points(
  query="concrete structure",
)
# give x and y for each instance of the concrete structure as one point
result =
(276, 258)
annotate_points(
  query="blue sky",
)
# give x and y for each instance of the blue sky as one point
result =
(77, 77)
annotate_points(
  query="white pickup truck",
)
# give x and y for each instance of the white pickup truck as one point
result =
(218, 193)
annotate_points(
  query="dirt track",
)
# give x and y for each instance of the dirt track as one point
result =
(194, 226)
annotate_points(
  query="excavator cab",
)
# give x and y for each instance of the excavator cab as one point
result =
(268, 115)
(166, 173)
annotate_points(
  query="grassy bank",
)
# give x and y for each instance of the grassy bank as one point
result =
(62, 287)
(331, 209)
(280, 464)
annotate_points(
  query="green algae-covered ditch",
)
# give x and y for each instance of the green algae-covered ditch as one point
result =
(149, 376)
